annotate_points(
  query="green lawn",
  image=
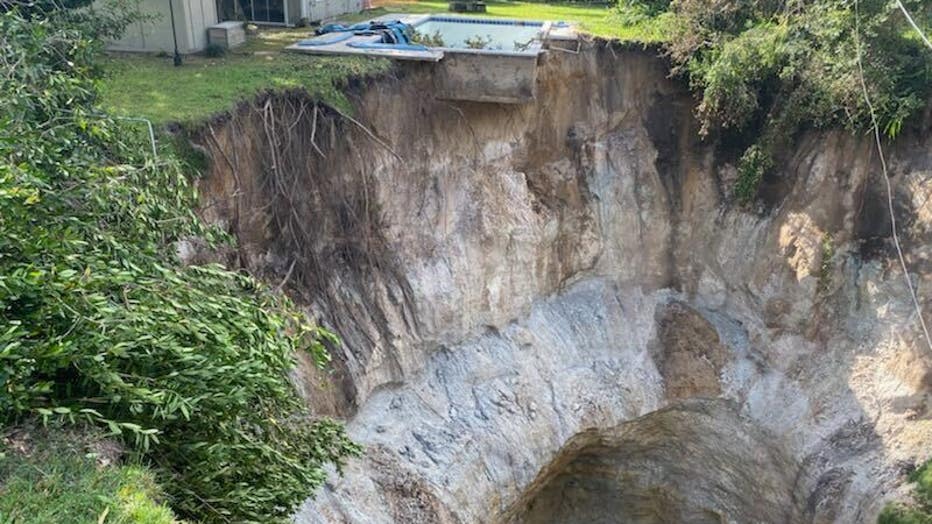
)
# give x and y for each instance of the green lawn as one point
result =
(151, 87)
(597, 20)
(57, 481)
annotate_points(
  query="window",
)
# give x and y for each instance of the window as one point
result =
(262, 11)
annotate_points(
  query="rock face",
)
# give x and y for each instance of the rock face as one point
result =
(697, 461)
(554, 312)
(691, 355)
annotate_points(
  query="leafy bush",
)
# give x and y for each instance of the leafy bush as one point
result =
(430, 40)
(751, 168)
(826, 263)
(478, 42)
(900, 514)
(784, 65)
(647, 7)
(921, 511)
(30, 7)
(101, 324)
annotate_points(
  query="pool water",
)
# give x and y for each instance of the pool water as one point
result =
(496, 35)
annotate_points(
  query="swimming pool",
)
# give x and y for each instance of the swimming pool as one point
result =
(480, 34)
(490, 60)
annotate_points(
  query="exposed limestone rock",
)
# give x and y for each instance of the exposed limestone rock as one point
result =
(530, 295)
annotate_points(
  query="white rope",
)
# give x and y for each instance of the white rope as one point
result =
(886, 179)
(913, 23)
(148, 122)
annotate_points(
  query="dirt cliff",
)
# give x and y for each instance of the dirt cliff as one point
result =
(555, 312)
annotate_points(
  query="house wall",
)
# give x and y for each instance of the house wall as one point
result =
(192, 18)
(325, 9)
(311, 10)
(294, 11)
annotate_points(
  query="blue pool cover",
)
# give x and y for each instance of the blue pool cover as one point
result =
(394, 32)
(326, 39)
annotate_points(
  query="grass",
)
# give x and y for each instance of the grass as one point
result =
(151, 87)
(598, 20)
(57, 481)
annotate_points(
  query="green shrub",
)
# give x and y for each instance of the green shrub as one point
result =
(900, 514)
(646, 7)
(919, 512)
(779, 49)
(101, 324)
(826, 263)
(922, 478)
(478, 42)
(751, 168)
(430, 40)
(777, 67)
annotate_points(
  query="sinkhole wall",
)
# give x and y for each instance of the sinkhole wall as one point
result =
(555, 312)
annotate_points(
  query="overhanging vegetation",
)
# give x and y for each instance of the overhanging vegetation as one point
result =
(102, 324)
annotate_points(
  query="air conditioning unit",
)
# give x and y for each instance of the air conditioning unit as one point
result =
(227, 34)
